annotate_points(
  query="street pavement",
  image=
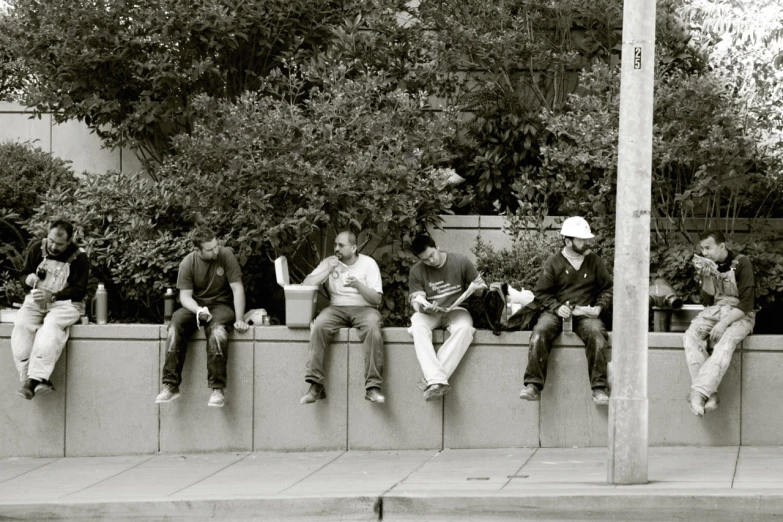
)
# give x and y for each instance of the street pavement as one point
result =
(685, 483)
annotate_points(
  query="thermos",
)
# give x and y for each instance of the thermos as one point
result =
(568, 322)
(101, 305)
(168, 305)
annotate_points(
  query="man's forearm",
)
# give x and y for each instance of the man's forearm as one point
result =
(370, 295)
(316, 278)
(239, 305)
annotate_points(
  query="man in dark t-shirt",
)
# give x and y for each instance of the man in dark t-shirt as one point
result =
(574, 287)
(728, 292)
(212, 295)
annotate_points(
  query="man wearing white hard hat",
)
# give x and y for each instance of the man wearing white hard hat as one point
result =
(574, 287)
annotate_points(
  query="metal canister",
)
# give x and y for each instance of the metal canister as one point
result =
(168, 305)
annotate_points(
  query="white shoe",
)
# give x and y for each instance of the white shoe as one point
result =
(217, 400)
(167, 394)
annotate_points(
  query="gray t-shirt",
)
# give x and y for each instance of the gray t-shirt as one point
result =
(442, 286)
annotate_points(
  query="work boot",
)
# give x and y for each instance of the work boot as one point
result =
(167, 394)
(315, 393)
(600, 397)
(696, 402)
(44, 387)
(710, 405)
(27, 390)
(530, 393)
(217, 399)
(374, 395)
(436, 390)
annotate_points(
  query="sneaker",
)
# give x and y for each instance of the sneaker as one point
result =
(217, 399)
(530, 393)
(710, 405)
(600, 397)
(315, 393)
(44, 387)
(27, 390)
(374, 395)
(696, 402)
(436, 390)
(167, 394)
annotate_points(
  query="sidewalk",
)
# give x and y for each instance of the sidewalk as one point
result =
(686, 483)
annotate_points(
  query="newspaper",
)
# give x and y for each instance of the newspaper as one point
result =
(472, 287)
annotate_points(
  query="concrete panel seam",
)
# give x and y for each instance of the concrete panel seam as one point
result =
(736, 461)
(30, 470)
(535, 450)
(313, 472)
(438, 452)
(107, 478)
(247, 454)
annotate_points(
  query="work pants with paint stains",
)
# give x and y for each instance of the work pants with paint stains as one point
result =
(182, 327)
(590, 330)
(39, 336)
(707, 371)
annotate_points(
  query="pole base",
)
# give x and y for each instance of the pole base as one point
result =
(628, 441)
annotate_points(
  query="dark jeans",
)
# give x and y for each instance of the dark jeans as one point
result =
(364, 318)
(592, 332)
(182, 327)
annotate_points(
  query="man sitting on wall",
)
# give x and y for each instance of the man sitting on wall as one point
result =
(354, 284)
(435, 284)
(213, 296)
(574, 287)
(728, 292)
(56, 270)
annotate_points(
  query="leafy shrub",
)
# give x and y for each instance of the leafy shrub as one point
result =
(27, 174)
(274, 178)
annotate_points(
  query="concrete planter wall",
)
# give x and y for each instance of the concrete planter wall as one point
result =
(109, 375)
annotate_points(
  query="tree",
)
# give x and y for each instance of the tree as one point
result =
(130, 68)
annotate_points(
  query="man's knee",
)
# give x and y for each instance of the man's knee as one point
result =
(216, 338)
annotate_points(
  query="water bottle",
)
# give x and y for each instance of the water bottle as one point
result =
(568, 322)
(101, 305)
(168, 305)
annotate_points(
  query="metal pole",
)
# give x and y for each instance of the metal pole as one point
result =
(628, 407)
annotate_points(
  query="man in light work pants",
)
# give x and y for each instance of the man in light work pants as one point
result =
(729, 296)
(435, 283)
(56, 270)
(354, 283)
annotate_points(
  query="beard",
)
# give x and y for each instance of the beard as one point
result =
(583, 250)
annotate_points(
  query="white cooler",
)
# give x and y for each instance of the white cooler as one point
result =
(300, 300)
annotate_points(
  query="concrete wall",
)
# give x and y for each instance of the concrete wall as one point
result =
(71, 141)
(108, 377)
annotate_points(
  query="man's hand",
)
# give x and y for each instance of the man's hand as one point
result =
(587, 311)
(564, 311)
(241, 326)
(717, 331)
(331, 263)
(31, 280)
(350, 281)
(204, 315)
(38, 295)
(432, 308)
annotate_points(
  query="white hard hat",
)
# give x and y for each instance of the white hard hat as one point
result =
(576, 227)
